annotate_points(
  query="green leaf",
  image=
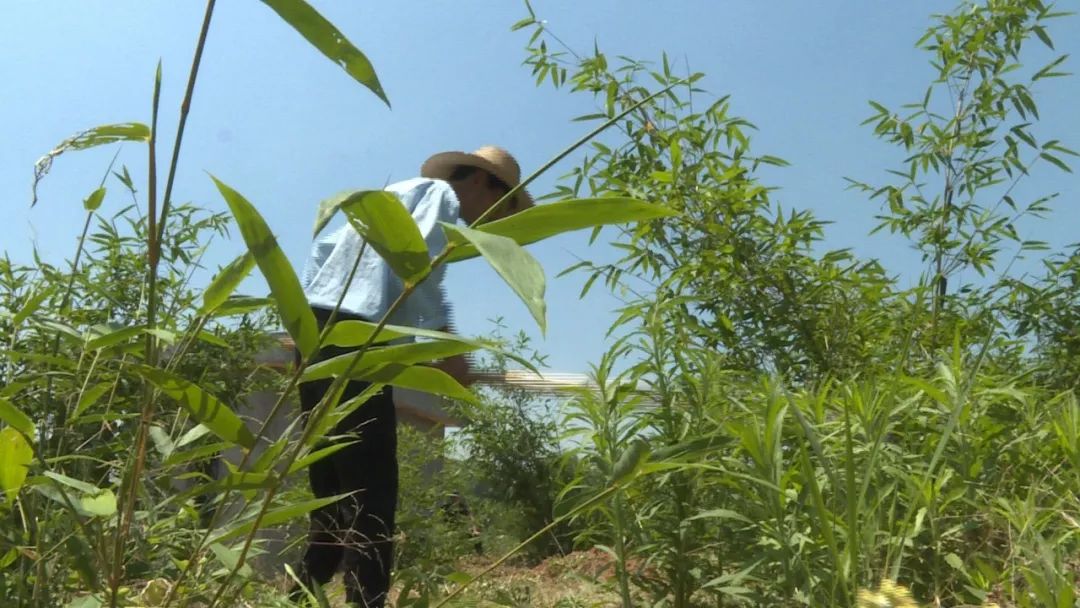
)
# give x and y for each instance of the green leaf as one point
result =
(162, 442)
(71, 482)
(98, 136)
(209, 338)
(16, 418)
(527, 21)
(1056, 162)
(93, 201)
(358, 333)
(516, 266)
(328, 207)
(390, 230)
(407, 354)
(954, 560)
(15, 455)
(196, 432)
(203, 407)
(1040, 31)
(420, 378)
(32, 304)
(196, 454)
(91, 501)
(545, 221)
(230, 557)
(279, 516)
(722, 514)
(318, 455)
(324, 36)
(629, 461)
(292, 305)
(114, 336)
(241, 305)
(224, 284)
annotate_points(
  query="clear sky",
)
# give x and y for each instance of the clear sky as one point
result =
(281, 124)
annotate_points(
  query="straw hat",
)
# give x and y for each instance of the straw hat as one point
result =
(492, 159)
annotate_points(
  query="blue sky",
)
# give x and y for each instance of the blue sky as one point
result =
(287, 128)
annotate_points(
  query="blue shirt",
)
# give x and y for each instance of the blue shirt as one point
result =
(375, 286)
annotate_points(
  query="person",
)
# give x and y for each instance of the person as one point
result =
(355, 533)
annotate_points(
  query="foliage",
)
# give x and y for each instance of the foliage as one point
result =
(809, 426)
(108, 485)
(772, 425)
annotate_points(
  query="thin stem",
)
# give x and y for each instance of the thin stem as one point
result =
(185, 109)
(153, 254)
(155, 239)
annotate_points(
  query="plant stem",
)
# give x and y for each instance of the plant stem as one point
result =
(154, 244)
(185, 109)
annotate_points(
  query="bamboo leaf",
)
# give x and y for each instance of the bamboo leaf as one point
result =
(16, 418)
(629, 461)
(162, 442)
(420, 378)
(322, 34)
(406, 354)
(33, 303)
(1060, 164)
(90, 397)
(98, 503)
(545, 221)
(390, 230)
(93, 202)
(516, 266)
(15, 455)
(98, 136)
(241, 305)
(279, 516)
(292, 305)
(71, 482)
(318, 455)
(204, 407)
(230, 557)
(224, 284)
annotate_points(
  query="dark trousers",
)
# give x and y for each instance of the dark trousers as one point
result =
(355, 533)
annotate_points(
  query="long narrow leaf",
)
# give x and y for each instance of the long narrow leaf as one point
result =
(204, 407)
(15, 455)
(544, 221)
(98, 136)
(291, 303)
(16, 418)
(406, 354)
(279, 516)
(224, 284)
(419, 378)
(391, 231)
(324, 36)
(516, 266)
(33, 303)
